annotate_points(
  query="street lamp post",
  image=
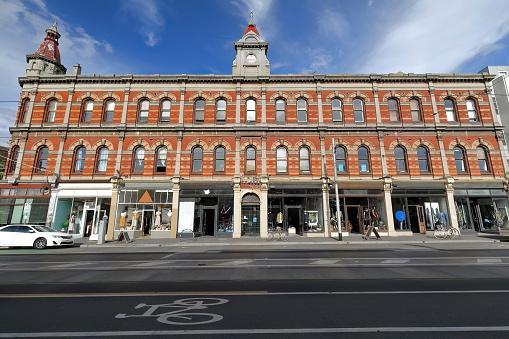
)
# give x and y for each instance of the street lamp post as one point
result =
(338, 212)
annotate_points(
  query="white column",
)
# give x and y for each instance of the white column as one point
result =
(389, 221)
(264, 209)
(237, 209)
(449, 190)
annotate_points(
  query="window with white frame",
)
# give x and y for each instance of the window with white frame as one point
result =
(250, 110)
(358, 110)
(165, 105)
(302, 110)
(337, 110)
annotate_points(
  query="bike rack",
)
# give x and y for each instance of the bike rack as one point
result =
(186, 231)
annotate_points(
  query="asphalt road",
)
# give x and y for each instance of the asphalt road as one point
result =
(418, 292)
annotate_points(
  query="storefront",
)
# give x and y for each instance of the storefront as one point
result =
(24, 204)
(144, 210)
(297, 209)
(207, 211)
(80, 208)
(482, 209)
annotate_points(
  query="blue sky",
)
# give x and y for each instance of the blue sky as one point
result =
(305, 36)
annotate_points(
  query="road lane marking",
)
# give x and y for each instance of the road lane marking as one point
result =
(489, 260)
(73, 264)
(324, 262)
(395, 261)
(260, 331)
(169, 255)
(235, 262)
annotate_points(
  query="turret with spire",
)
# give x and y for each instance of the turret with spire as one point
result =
(251, 51)
(46, 60)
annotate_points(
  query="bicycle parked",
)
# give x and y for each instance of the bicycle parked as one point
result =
(278, 234)
(443, 232)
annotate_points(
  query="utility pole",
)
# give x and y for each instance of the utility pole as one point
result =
(338, 212)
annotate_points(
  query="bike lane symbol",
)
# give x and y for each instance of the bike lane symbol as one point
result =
(179, 314)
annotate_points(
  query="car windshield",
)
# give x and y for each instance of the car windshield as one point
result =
(44, 229)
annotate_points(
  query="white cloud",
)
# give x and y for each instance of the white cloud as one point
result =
(332, 24)
(149, 15)
(438, 36)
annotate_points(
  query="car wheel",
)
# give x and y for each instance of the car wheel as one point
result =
(40, 243)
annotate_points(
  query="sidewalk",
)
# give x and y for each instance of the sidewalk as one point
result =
(294, 240)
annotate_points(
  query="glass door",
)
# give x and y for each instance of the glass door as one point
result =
(250, 219)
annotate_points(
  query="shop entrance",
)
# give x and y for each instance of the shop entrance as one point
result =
(293, 218)
(209, 221)
(147, 222)
(353, 219)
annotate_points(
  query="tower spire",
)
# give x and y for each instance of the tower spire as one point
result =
(46, 59)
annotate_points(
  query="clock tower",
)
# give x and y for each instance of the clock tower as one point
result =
(251, 59)
(46, 60)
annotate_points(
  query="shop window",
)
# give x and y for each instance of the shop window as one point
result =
(101, 159)
(79, 159)
(337, 110)
(221, 110)
(450, 110)
(423, 158)
(282, 159)
(393, 110)
(23, 110)
(459, 159)
(109, 110)
(86, 110)
(199, 110)
(363, 156)
(304, 160)
(143, 107)
(340, 155)
(41, 159)
(165, 108)
(250, 159)
(13, 159)
(161, 157)
(280, 110)
(250, 110)
(219, 159)
(197, 159)
(400, 157)
(415, 110)
(139, 159)
(472, 110)
(482, 158)
(302, 110)
(51, 110)
(358, 110)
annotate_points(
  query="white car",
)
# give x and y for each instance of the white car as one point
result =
(35, 236)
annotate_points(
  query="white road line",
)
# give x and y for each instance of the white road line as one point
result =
(324, 262)
(235, 263)
(73, 264)
(395, 261)
(151, 264)
(169, 255)
(260, 331)
(489, 260)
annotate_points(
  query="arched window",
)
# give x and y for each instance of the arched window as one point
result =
(363, 156)
(165, 108)
(250, 110)
(483, 159)
(139, 159)
(219, 159)
(101, 159)
(472, 110)
(415, 110)
(459, 158)
(280, 110)
(23, 110)
(199, 110)
(423, 158)
(87, 108)
(161, 156)
(393, 109)
(302, 110)
(250, 159)
(143, 107)
(109, 110)
(358, 110)
(221, 110)
(450, 110)
(400, 157)
(13, 159)
(197, 159)
(282, 159)
(340, 154)
(79, 159)
(337, 110)
(41, 159)
(51, 110)
(304, 160)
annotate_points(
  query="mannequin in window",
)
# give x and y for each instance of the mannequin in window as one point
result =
(72, 223)
(366, 217)
(157, 222)
(135, 216)
(123, 216)
(374, 217)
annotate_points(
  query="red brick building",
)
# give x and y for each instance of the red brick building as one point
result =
(241, 154)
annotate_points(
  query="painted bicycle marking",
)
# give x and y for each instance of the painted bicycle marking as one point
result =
(180, 315)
